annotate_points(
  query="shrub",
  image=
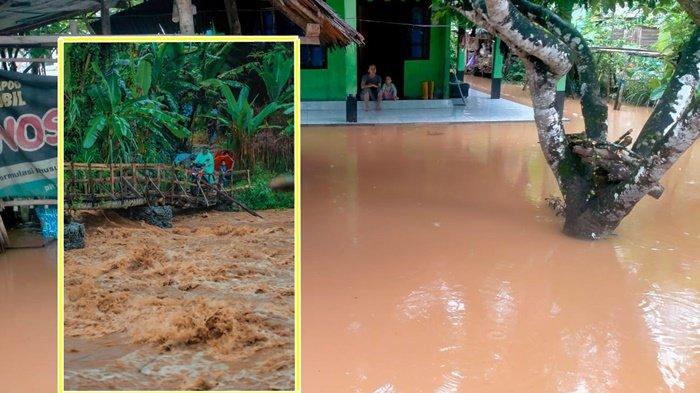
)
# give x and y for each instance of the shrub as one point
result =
(260, 197)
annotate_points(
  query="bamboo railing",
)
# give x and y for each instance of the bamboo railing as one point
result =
(112, 186)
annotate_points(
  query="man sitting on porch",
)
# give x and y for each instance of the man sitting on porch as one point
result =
(370, 87)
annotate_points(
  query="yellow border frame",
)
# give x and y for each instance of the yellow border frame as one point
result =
(297, 175)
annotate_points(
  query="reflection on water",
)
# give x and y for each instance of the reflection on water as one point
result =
(431, 263)
(673, 319)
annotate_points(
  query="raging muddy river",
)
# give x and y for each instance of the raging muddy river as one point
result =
(205, 305)
(28, 324)
(431, 263)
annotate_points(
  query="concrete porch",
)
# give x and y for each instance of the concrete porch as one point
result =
(479, 108)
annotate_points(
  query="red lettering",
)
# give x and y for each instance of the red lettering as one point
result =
(22, 136)
(7, 134)
(51, 126)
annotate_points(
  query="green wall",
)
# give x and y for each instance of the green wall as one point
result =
(436, 68)
(331, 83)
(325, 84)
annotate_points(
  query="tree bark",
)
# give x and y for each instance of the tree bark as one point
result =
(593, 105)
(678, 95)
(184, 9)
(600, 181)
(234, 22)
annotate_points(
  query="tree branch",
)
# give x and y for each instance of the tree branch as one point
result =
(522, 35)
(675, 100)
(550, 129)
(593, 106)
(618, 201)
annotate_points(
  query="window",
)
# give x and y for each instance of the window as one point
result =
(419, 37)
(314, 56)
(268, 22)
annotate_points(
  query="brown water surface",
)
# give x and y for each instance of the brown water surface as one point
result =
(431, 263)
(28, 320)
(205, 305)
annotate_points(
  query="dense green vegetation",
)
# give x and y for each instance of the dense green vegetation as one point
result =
(147, 102)
(601, 23)
(645, 78)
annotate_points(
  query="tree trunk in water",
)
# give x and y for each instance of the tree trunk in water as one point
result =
(234, 22)
(600, 181)
(184, 9)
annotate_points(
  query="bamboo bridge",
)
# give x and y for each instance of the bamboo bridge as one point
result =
(117, 186)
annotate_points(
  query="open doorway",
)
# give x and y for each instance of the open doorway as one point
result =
(394, 31)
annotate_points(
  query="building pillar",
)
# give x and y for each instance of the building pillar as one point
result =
(461, 59)
(350, 16)
(496, 69)
(560, 96)
(565, 9)
(446, 69)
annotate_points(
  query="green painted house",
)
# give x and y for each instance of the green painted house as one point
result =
(401, 39)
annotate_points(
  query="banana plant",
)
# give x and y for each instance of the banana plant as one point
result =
(116, 119)
(275, 70)
(241, 116)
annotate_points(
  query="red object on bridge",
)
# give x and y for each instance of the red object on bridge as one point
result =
(223, 157)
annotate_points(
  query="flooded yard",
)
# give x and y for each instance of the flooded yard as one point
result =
(205, 305)
(28, 329)
(432, 263)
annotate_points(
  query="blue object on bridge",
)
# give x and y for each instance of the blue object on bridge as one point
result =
(183, 159)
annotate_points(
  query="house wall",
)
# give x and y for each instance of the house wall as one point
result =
(339, 79)
(436, 68)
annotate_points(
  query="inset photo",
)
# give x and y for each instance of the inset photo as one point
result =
(179, 223)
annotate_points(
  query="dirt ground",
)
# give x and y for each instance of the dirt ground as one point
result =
(205, 305)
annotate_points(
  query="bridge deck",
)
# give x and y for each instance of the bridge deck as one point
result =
(115, 186)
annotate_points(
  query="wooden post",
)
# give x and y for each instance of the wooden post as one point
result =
(104, 16)
(111, 179)
(234, 23)
(184, 16)
(312, 34)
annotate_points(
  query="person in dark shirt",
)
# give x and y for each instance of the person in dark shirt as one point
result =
(370, 87)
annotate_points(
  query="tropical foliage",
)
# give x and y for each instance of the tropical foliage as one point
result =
(146, 102)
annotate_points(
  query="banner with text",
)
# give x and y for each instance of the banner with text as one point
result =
(28, 136)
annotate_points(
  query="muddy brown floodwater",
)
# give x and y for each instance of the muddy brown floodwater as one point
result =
(205, 305)
(28, 322)
(431, 263)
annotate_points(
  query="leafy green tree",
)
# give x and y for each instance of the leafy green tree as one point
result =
(276, 71)
(242, 118)
(115, 123)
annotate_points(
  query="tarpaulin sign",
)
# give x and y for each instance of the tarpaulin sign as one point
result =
(28, 136)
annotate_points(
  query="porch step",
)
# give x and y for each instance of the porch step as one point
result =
(389, 105)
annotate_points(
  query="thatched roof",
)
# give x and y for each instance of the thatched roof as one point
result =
(334, 30)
